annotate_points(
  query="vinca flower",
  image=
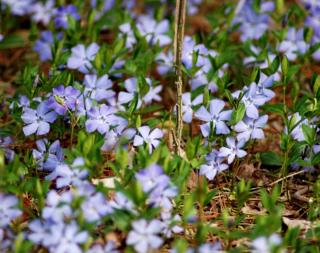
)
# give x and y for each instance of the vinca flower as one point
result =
(215, 118)
(110, 247)
(63, 99)
(98, 88)
(95, 207)
(18, 7)
(266, 244)
(69, 175)
(44, 43)
(127, 32)
(48, 157)
(154, 32)
(43, 12)
(251, 128)
(4, 144)
(100, 119)
(187, 105)
(38, 121)
(144, 235)
(63, 13)
(8, 209)
(81, 57)
(294, 44)
(151, 138)
(213, 166)
(233, 150)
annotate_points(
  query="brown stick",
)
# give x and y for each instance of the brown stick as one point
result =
(178, 44)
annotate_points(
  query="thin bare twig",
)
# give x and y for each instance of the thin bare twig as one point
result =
(178, 44)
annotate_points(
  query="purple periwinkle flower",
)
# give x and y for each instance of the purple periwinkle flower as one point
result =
(127, 96)
(81, 57)
(251, 128)
(144, 235)
(5, 143)
(42, 12)
(48, 157)
(101, 119)
(294, 44)
(213, 166)
(154, 32)
(215, 118)
(63, 99)
(58, 206)
(63, 13)
(38, 120)
(98, 88)
(188, 104)
(44, 43)
(110, 247)
(8, 209)
(233, 150)
(95, 207)
(252, 99)
(18, 7)
(151, 138)
(73, 174)
(266, 244)
(127, 32)
(152, 178)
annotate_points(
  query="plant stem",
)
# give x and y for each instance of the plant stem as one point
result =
(178, 44)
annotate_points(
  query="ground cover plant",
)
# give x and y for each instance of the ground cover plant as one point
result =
(159, 126)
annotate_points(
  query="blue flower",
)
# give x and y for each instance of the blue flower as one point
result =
(213, 166)
(63, 99)
(251, 128)
(233, 150)
(215, 118)
(38, 120)
(43, 12)
(82, 57)
(48, 157)
(151, 138)
(8, 209)
(98, 88)
(144, 235)
(63, 13)
(44, 43)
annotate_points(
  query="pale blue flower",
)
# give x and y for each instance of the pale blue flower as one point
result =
(266, 244)
(215, 118)
(251, 128)
(151, 138)
(81, 57)
(98, 88)
(8, 209)
(38, 121)
(233, 150)
(213, 166)
(144, 235)
(188, 104)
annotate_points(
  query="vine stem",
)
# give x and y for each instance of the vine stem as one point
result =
(178, 44)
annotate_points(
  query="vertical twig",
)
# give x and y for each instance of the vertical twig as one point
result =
(178, 43)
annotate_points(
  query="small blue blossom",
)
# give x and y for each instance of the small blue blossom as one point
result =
(44, 43)
(187, 105)
(151, 138)
(266, 244)
(144, 235)
(43, 12)
(110, 247)
(233, 150)
(215, 118)
(63, 99)
(63, 13)
(48, 157)
(38, 121)
(81, 57)
(8, 209)
(251, 128)
(98, 88)
(213, 166)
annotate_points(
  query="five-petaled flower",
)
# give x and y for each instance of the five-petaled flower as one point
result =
(151, 138)
(38, 120)
(233, 150)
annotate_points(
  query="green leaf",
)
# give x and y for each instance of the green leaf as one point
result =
(309, 134)
(238, 114)
(270, 158)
